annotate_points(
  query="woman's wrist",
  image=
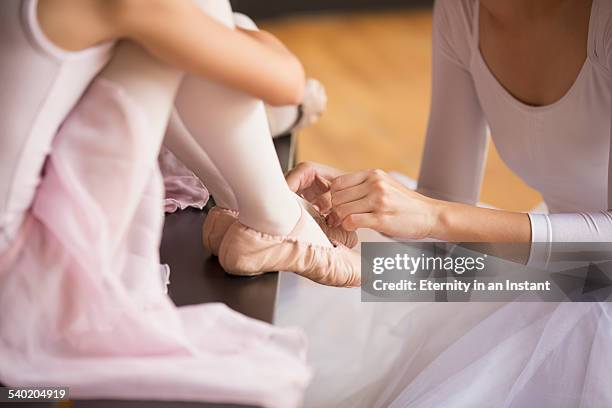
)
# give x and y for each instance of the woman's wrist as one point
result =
(441, 215)
(457, 222)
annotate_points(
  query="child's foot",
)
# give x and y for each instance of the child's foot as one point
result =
(218, 220)
(247, 252)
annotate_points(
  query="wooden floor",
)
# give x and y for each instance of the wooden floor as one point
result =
(376, 68)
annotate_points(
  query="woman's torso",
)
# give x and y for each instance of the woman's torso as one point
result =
(560, 149)
(40, 83)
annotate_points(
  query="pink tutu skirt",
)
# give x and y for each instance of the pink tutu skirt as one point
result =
(81, 300)
(183, 188)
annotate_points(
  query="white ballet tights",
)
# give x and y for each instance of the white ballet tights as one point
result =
(188, 151)
(236, 151)
(134, 70)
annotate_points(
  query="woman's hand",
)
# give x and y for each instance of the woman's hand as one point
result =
(373, 199)
(313, 181)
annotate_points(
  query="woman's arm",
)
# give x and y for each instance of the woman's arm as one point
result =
(180, 33)
(452, 167)
(579, 227)
(373, 199)
(452, 163)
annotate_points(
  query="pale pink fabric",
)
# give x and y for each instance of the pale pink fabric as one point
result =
(81, 302)
(183, 188)
(39, 85)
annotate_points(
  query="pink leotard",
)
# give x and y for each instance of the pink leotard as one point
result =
(40, 84)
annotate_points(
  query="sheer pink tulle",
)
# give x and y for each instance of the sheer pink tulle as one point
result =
(81, 303)
(183, 188)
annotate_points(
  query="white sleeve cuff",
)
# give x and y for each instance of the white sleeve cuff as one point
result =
(541, 239)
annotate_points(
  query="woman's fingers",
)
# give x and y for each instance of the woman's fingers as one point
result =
(318, 194)
(350, 194)
(349, 180)
(301, 177)
(322, 202)
(339, 213)
(312, 181)
(355, 193)
(356, 221)
(322, 183)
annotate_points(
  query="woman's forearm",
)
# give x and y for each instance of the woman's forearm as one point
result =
(457, 222)
(373, 199)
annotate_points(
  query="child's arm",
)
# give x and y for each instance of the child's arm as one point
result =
(179, 33)
(265, 38)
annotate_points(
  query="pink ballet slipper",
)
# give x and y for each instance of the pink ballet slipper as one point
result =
(247, 252)
(338, 234)
(218, 220)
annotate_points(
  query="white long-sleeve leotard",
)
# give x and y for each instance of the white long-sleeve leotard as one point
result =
(562, 150)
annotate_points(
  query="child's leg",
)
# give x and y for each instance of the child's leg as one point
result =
(231, 127)
(152, 86)
(282, 119)
(188, 151)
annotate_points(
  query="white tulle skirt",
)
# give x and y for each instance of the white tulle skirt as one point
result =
(450, 354)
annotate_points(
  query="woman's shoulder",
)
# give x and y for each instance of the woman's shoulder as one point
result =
(455, 28)
(601, 33)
